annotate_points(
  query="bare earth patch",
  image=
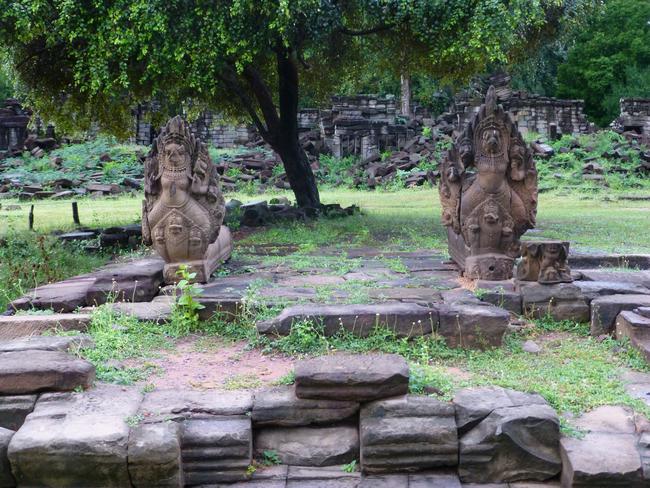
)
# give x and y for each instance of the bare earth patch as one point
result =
(205, 362)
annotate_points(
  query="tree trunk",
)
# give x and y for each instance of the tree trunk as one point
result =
(405, 83)
(299, 173)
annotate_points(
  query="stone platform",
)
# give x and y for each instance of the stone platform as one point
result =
(333, 434)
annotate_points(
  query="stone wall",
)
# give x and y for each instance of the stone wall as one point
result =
(634, 117)
(13, 125)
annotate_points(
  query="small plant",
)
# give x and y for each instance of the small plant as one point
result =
(427, 132)
(351, 467)
(185, 314)
(134, 420)
(269, 458)
(250, 470)
(480, 293)
(287, 379)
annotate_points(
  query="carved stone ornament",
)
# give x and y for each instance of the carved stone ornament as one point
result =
(544, 262)
(488, 191)
(183, 207)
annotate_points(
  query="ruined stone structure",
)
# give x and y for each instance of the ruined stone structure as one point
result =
(183, 207)
(544, 262)
(634, 117)
(548, 116)
(488, 191)
(13, 126)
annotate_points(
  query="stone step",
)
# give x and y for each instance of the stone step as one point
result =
(604, 310)
(352, 377)
(635, 327)
(48, 343)
(24, 325)
(33, 371)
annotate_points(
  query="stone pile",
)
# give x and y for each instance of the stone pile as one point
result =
(634, 119)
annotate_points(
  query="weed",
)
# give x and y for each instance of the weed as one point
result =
(351, 467)
(134, 420)
(185, 312)
(242, 382)
(270, 458)
(287, 379)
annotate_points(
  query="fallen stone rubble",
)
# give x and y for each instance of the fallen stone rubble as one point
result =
(113, 436)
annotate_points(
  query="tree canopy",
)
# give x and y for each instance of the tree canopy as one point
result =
(93, 59)
(609, 59)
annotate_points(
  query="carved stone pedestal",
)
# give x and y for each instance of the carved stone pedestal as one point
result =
(491, 266)
(544, 262)
(217, 252)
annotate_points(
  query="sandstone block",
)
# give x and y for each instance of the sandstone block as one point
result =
(434, 480)
(563, 301)
(14, 409)
(406, 319)
(62, 297)
(154, 456)
(134, 281)
(281, 407)
(595, 289)
(352, 377)
(605, 309)
(83, 436)
(216, 450)
(23, 372)
(48, 343)
(506, 436)
(309, 446)
(164, 405)
(325, 477)
(407, 433)
(18, 326)
(473, 327)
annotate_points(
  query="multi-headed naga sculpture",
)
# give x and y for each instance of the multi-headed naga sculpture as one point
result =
(488, 191)
(183, 207)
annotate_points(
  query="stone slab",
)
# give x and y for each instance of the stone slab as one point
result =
(157, 310)
(434, 480)
(406, 319)
(324, 477)
(24, 372)
(595, 289)
(154, 456)
(636, 328)
(133, 281)
(279, 406)
(83, 437)
(589, 461)
(604, 310)
(352, 377)
(48, 343)
(14, 409)
(563, 301)
(62, 297)
(309, 446)
(165, 405)
(638, 277)
(407, 433)
(473, 327)
(595, 260)
(384, 481)
(25, 325)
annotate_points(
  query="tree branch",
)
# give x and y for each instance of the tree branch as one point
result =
(263, 96)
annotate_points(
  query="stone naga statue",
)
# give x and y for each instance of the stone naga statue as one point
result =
(488, 191)
(183, 207)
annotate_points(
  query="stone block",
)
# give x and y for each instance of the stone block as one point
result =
(157, 310)
(506, 436)
(434, 480)
(595, 289)
(605, 309)
(154, 456)
(636, 328)
(48, 343)
(325, 477)
(563, 301)
(385, 481)
(17, 326)
(133, 281)
(14, 409)
(62, 297)
(279, 406)
(309, 446)
(164, 405)
(216, 450)
(24, 372)
(473, 327)
(6, 478)
(590, 461)
(407, 433)
(83, 437)
(352, 377)
(263, 477)
(406, 319)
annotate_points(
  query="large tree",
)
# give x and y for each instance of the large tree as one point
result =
(93, 59)
(609, 59)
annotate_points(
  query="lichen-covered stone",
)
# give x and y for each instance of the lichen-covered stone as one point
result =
(154, 456)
